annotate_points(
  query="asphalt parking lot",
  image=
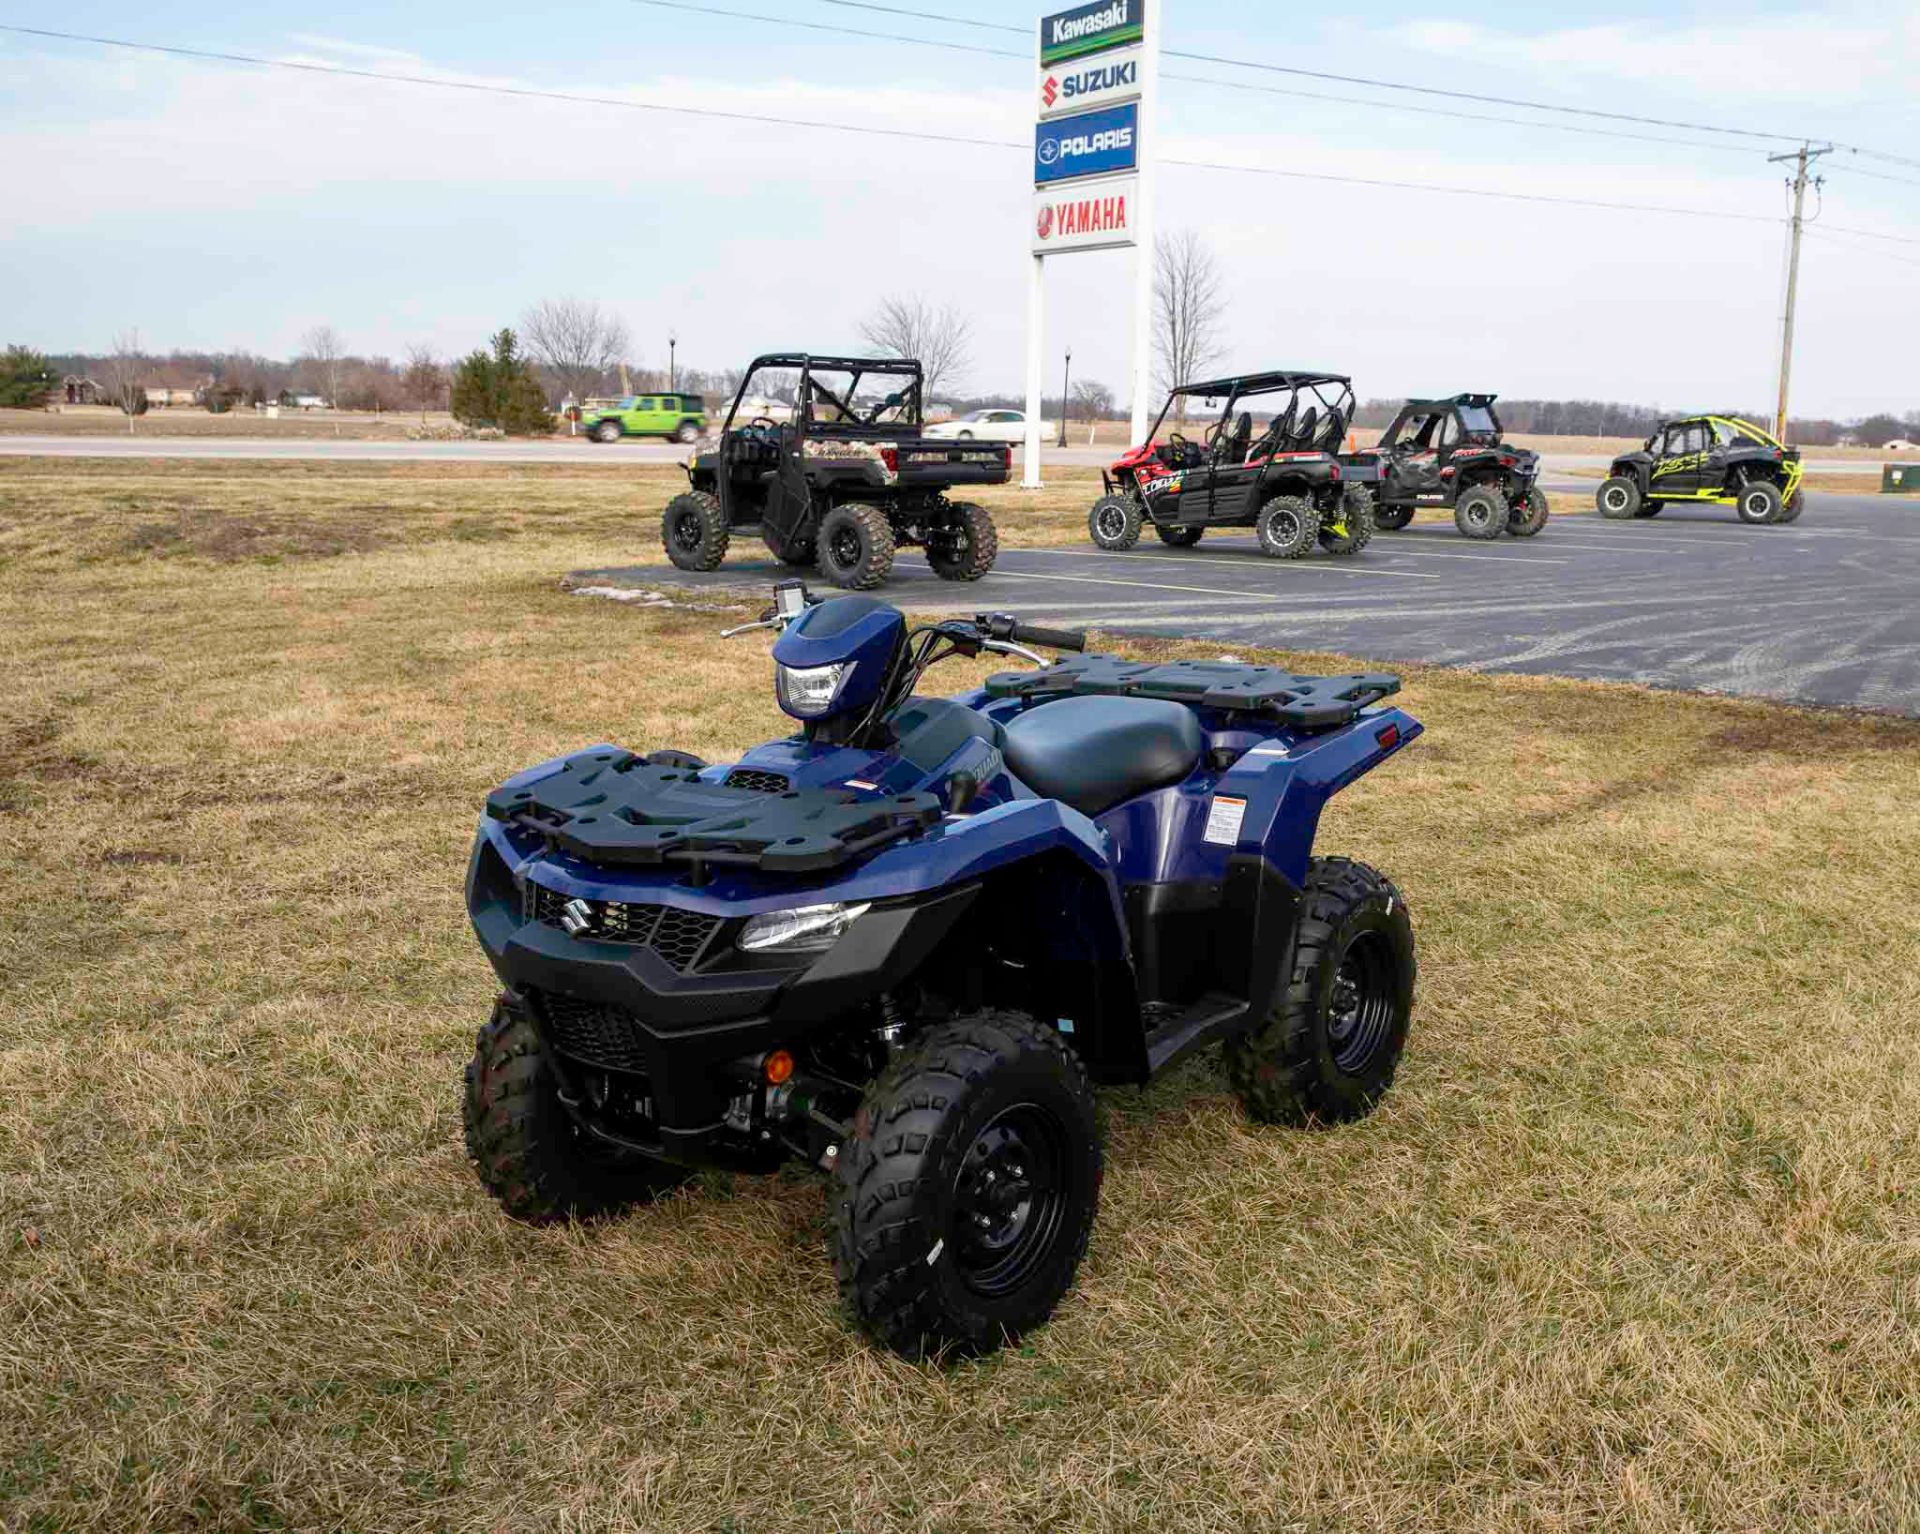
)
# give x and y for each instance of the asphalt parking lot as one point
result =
(1826, 611)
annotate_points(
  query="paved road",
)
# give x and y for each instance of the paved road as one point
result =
(1825, 611)
(567, 450)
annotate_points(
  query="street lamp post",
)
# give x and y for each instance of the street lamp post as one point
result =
(1066, 380)
(673, 380)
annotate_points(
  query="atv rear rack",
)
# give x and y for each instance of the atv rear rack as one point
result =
(1306, 702)
(616, 808)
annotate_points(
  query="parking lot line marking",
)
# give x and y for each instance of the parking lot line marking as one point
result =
(1257, 563)
(1205, 591)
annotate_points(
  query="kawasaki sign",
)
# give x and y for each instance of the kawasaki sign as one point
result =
(1089, 29)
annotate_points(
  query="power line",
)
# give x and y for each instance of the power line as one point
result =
(1825, 232)
(951, 21)
(1872, 234)
(827, 26)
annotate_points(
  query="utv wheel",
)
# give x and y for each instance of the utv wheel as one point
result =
(1618, 498)
(694, 531)
(971, 545)
(607, 431)
(1327, 1051)
(1178, 537)
(1114, 523)
(1482, 512)
(1356, 517)
(1390, 519)
(686, 431)
(966, 1195)
(1758, 502)
(855, 547)
(528, 1150)
(1529, 513)
(1287, 527)
(1795, 504)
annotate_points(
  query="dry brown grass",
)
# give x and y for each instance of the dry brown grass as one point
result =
(193, 421)
(1633, 1245)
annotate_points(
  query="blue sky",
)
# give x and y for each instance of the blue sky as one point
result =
(217, 206)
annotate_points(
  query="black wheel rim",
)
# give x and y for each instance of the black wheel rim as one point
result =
(1360, 1011)
(1616, 499)
(1009, 1200)
(686, 532)
(1283, 527)
(1112, 523)
(844, 548)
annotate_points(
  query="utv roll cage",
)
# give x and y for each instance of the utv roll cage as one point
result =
(1320, 427)
(1454, 405)
(903, 407)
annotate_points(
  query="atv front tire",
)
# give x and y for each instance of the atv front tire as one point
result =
(1758, 502)
(1356, 516)
(966, 1195)
(971, 544)
(1390, 519)
(856, 546)
(1618, 498)
(1287, 527)
(1482, 512)
(1328, 1048)
(694, 531)
(1179, 537)
(1114, 523)
(1529, 513)
(529, 1152)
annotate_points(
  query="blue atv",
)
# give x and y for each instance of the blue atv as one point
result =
(903, 943)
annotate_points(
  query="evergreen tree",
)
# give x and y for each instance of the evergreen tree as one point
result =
(499, 389)
(25, 378)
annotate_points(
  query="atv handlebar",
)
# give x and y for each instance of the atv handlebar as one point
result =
(1005, 626)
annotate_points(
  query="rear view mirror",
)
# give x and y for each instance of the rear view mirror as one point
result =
(790, 599)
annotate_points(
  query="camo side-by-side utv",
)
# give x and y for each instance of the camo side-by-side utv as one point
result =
(1448, 453)
(1710, 460)
(846, 479)
(1286, 480)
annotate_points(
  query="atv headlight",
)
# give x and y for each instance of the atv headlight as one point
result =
(800, 929)
(810, 690)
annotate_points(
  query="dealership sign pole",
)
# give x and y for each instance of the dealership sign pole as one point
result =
(1096, 67)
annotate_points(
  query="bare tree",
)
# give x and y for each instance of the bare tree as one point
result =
(126, 368)
(575, 340)
(940, 338)
(1092, 402)
(324, 351)
(424, 381)
(1187, 306)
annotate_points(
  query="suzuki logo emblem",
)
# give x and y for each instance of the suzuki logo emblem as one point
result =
(577, 917)
(1050, 91)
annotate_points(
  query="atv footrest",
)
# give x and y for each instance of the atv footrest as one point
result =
(1206, 1021)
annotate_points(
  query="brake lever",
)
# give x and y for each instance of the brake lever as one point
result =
(1007, 647)
(748, 628)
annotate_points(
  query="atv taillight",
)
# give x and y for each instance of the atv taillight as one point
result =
(890, 456)
(1333, 471)
(1507, 460)
(1388, 735)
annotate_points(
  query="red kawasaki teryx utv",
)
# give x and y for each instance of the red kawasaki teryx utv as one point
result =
(1282, 476)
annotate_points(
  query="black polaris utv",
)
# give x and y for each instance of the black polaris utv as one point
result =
(1448, 453)
(842, 482)
(1710, 460)
(1285, 478)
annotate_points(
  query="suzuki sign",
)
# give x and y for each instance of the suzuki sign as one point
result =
(1091, 144)
(1089, 215)
(1099, 82)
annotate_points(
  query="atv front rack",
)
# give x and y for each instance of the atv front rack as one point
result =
(1306, 702)
(612, 807)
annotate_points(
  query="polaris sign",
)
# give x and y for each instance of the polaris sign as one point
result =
(1092, 144)
(1101, 82)
(1090, 28)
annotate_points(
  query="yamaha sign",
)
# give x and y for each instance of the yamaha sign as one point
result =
(1100, 82)
(1088, 215)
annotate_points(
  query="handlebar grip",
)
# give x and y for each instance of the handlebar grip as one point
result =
(1053, 639)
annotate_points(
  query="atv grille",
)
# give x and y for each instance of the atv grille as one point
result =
(679, 937)
(758, 779)
(593, 1034)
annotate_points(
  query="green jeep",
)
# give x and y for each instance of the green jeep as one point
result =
(683, 417)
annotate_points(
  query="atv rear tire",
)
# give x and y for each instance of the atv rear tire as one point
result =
(856, 546)
(1114, 523)
(1356, 515)
(693, 530)
(972, 544)
(1795, 504)
(1179, 537)
(527, 1149)
(1482, 512)
(1757, 502)
(1328, 1048)
(1390, 519)
(1287, 527)
(967, 1192)
(1618, 498)
(606, 431)
(1529, 513)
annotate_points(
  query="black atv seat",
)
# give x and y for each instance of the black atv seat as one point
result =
(1092, 753)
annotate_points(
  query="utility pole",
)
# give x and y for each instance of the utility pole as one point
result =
(673, 379)
(1066, 382)
(1801, 158)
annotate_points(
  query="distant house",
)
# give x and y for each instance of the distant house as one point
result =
(163, 396)
(76, 390)
(1902, 445)
(304, 402)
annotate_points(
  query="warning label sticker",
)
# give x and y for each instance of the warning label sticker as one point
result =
(1223, 820)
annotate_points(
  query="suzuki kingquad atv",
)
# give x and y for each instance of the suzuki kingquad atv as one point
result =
(1448, 452)
(843, 482)
(900, 944)
(1706, 459)
(1284, 479)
